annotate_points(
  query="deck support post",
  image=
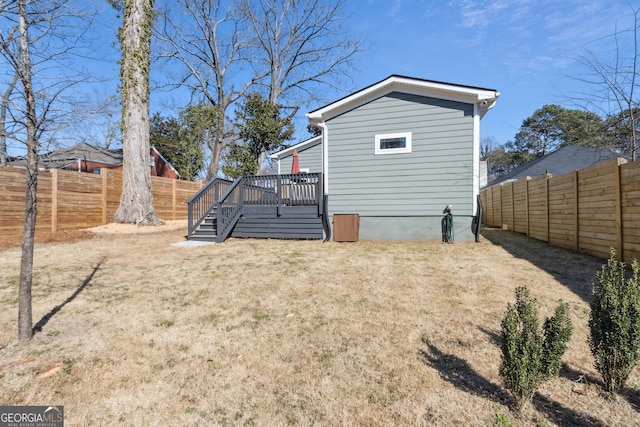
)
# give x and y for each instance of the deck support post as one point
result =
(279, 192)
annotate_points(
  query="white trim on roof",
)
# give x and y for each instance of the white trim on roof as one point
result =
(483, 98)
(299, 146)
(166, 161)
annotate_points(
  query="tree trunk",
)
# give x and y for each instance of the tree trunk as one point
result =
(25, 318)
(216, 145)
(136, 203)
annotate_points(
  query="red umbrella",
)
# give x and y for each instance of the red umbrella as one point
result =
(295, 165)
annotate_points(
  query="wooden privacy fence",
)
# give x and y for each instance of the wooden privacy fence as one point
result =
(72, 200)
(590, 210)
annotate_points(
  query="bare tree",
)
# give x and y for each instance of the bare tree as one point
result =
(101, 122)
(210, 42)
(136, 203)
(300, 46)
(25, 319)
(35, 37)
(614, 84)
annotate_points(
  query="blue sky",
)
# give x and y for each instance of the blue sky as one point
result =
(522, 48)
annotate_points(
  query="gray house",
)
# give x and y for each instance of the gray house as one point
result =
(396, 154)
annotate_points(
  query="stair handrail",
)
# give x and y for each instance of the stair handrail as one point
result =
(201, 203)
(280, 191)
(229, 209)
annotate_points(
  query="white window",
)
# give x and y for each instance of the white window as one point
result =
(393, 143)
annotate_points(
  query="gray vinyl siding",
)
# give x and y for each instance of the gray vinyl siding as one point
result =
(438, 171)
(310, 157)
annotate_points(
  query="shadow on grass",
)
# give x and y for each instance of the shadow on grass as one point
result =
(561, 415)
(45, 319)
(493, 335)
(459, 373)
(574, 270)
(633, 397)
(575, 376)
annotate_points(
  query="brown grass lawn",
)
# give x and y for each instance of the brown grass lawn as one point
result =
(133, 331)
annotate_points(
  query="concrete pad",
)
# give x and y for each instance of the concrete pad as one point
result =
(191, 244)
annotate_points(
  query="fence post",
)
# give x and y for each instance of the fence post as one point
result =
(547, 205)
(105, 183)
(54, 200)
(513, 209)
(501, 210)
(174, 198)
(618, 195)
(493, 207)
(526, 204)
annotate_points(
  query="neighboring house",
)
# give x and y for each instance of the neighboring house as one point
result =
(563, 160)
(397, 153)
(310, 156)
(87, 158)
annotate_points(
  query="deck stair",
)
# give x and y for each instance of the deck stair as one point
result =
(268, 206)
(207, 230)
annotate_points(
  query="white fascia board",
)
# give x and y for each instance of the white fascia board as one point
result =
(451, 92)
(166, 161)
(299, 146)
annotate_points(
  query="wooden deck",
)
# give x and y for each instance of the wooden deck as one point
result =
(270, 206)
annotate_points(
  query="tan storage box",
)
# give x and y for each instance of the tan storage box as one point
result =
(346, 227)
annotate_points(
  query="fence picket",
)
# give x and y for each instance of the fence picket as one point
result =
(71, 200)
(589, 210)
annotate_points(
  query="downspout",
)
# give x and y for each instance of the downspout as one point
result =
(325, 180)
(325, 157)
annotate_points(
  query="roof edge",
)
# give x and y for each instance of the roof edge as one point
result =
(484, 97)
(299, 146)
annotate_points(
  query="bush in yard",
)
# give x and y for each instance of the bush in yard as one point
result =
(615, 322)
(531, 356)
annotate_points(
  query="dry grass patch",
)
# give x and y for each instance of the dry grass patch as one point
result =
(269, 332)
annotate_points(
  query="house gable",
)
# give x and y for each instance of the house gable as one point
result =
(309, 152)
(484, 98)
(161, 166)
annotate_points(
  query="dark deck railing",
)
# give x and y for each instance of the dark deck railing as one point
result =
(229, 209)
(230, 198)
(284, 190)
(201, 203)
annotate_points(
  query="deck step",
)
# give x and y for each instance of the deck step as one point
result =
(207, 231)
(204, 238)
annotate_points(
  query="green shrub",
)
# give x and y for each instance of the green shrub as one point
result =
(615, 322)
(531, 356)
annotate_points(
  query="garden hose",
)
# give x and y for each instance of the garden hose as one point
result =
(447, 225)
